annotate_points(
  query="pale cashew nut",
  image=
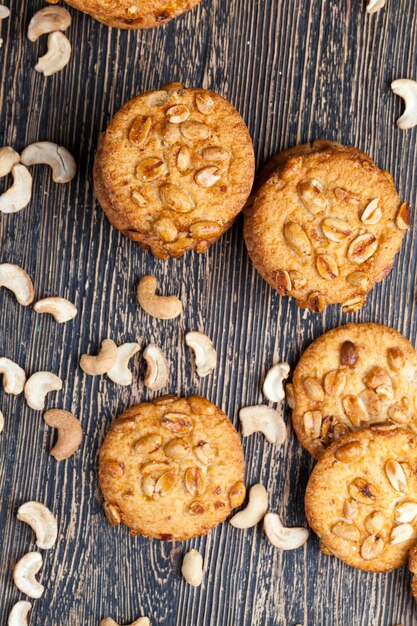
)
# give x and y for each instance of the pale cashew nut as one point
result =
(61, 309)
(19, 614)
(19, 194)
(70, 433)
(255, 509)
(14, 377)
(407, 90)
(103, 362)
(48, 20)
(42, 522)
(192, 568)
(142, 621)
(375, 5)
(204, 354)
(156, 377)
(273, 387)
(38, 386)
(281, 537)
(263, 419)
(14, 278)
(24, 574)
(162, 307)
(58, 158)
(120, 372)
(4, 13)
(57, 57)
(1, 422)
(8, 158)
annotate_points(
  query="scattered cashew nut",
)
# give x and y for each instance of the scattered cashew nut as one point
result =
(406, 89)
(255, 509)
(103, 362)
(61, 309)
(19, 194)
(14, 278)
(58, 158)
(375, 5)
(120, 372)
(204, 353)
(8, 158)
(4, 13)
(42, 522)
(19, 614)
(142, 621)
(281, 537)
(264, 419)
(24, 574)
(48, 20)
(156, 377)
(14, 377)
(1, 422)
(69, 433)
(192, 568)
(162, 307)
(57, 57)
(38, 386)
(273, 387)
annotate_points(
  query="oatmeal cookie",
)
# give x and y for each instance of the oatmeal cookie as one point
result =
(361, 499)
(174, 169)
(172, 468)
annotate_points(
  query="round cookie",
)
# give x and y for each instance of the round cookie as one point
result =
(361, 498)
(412, 565)
(325, 226)
(351, 377)
(174, 169)
(171, 469)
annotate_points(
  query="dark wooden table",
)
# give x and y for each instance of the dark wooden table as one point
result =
(297, 70)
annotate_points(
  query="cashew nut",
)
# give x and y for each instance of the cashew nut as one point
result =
(57, 57)
(42, 522)
(406, 89)
(162, 307)
(14, 377)
(4, 12)
(1, 422)
(24, 574)
(142, 621)
(69, 432)
(157, 371)
(8, 156)
(204, 353)
(20, 193)
(264, 419)
(61, 309)
(58, 158)
(120, 372)
(273, 387)
(103, 362)
(255, 509)
(375, 5)
(192, 568)
(38, 386)
(281, 537)
(48, 20)
(14, 278)
(19, 613)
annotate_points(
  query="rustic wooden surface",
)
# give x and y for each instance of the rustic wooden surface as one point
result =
(297, 70)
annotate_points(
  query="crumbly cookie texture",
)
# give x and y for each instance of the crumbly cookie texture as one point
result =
(351, 377)
(172, 468)
(361, 499)
(325, 225)
(412, 565)
(174, 169)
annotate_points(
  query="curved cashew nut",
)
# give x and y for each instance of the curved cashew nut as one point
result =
(273, 387)
(58, 158)
(20, 193)
(255, 509)
(162, 307)
(103, 362)
(4, 12)
(375, 5)
(8, 157)
(61, 309)
(14, 278)
(157, 371)
(142, 621)
(48, 20)
(57, 57)
(406, 89)
(14, 377)
(42, 522)
(70, 433)
(19, 613)
(38, 386)
(281, 537)
(264, 419)
(204, 353)
(192, 568)
(1, 422)
(24, 574)
(120, 372)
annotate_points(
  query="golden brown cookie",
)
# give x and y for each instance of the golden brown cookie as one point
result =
(351, 377)
(412, 565)
(361, 499)
(171, 469)
(325, 226)
(174, 169)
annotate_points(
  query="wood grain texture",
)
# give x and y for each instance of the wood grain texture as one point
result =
(297, 70)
